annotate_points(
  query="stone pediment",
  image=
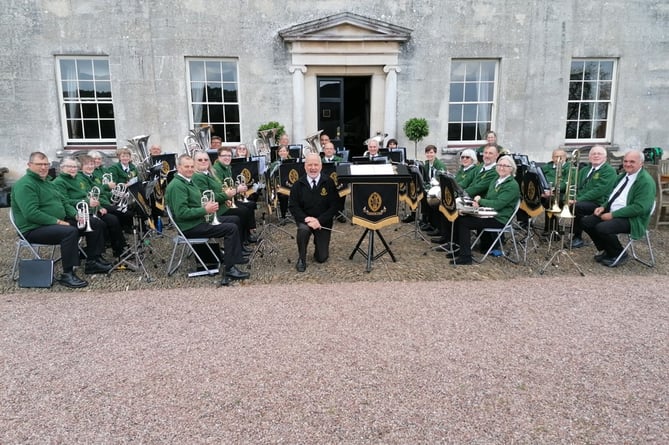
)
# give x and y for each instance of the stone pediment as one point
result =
(345, 27)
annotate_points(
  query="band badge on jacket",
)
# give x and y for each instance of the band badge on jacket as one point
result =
(324, 191)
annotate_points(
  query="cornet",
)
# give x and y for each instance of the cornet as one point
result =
(241, 180)
(94, 195)
(207, 197)
(83, 217)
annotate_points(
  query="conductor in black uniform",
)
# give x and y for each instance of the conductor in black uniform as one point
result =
(314, 202)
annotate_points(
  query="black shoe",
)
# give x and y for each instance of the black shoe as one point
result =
(252, 239)
(409, 218)
(225, 281)
(301, 265)
(425, 227)
(283, 221)
(440, 240)
(246, 250)
(461, 261)
(93, 267)
(235, 274)
(600, 256)
(103, 260)
(342, 219)
(244, 260)
(433, 233)
(577, 243)
(609, 262)
(69, 279)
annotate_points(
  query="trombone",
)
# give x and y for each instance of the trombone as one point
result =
(572, 185)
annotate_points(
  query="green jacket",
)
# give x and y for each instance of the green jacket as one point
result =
(503, 198)
(222, 171)
(209, 182)
(120, 175)
(640, 200)
(73, 189)
(438, 165)
(37, 202)
(464, 177)
(550, 171)
(598, 187)
(482, 181)
(184, 200)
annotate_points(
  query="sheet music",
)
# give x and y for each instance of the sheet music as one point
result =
(372, 169)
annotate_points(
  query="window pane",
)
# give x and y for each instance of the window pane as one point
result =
(484, 113)
(469, 132)
(454, 132)
(72, 110)
(107, 129)
(106, 111)
(330, 89)
(589, 90)
(487, 91)
(85, 69)
(458, 70)
(586, 111)
(230, 92)
(213, 71)
(103, 89)
(575, 90)
(90, 111)
(604, 91)
(216, 113)
(600, 129)
(457, 92)
(214, 92)
(577, 69)
(571, 130)
(602, 111)
(473, 72)
(70, 90)
(483, 128)
(591, 71)
(231, 113)
(572, 110)
(488, 72)
(455, 113)
(232, 133)
(68, 69)
(74, 129)
(469, 113)
(86, 89)
(471, 92)
(584, 130)
(91, 130)
(197, 91)
(229, 72)
(101, 69)
(606, 70)
(196, 70)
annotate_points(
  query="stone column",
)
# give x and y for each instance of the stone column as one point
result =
(390, 111)
(298, 131)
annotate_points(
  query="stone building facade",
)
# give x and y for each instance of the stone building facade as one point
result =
(94, 74)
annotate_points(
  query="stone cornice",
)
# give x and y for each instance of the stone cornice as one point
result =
(345, 27)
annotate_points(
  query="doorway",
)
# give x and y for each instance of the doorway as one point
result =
(344, 110)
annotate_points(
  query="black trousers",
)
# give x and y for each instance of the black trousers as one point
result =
(95, 240)
(605, 233)
(231, 241)
(65, 236)
(463, 226)
(321, 242)
(581, 210)
(114, 233)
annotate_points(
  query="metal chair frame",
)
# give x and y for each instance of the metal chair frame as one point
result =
(630, 246)
(509, 229)
(34, 248)
(185, 245)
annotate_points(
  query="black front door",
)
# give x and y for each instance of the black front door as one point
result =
(343, 110)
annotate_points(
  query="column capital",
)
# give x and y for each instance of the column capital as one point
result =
(294, 68)
(389, 68)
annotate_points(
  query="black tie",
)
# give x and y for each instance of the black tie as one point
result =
(313, 183)
(587, 178)
(616, 194)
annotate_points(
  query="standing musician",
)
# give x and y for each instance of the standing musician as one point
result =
(314, 202)
(41, 215)
(627, 210)
(205, 179)
(282, 154)
(74, 189)
(502, 195)
(185, 202)
(595, 183)
(550, 173)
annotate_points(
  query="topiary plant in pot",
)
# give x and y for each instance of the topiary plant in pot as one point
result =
(416, 129)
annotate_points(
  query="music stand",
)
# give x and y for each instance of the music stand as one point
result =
(415, 191)
(133, 257)
(450, 192)
(329, 169)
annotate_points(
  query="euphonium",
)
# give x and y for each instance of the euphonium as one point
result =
(314, 143)
(83, 217)
(555, 197)
(572, 184)
(207, 197)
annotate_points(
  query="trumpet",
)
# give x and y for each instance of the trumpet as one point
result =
(83, 217)
(229, 184)
(207, 197)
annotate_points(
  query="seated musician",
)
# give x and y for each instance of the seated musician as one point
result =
(324, 138)
(467, 171)
(491, 141)
(241, 151)
(372, 149)
(329, 155)
(392, 143)
(87, 181)
(595, 184)
(41, 214)
(205, 179)
(105, 181)
(550, 173)
(430, 170)
(314, 202)
(502, 196)
(124, 171)
(282, 154)
(73, 188)
(627, 210)
(185, 202)
(155, 150)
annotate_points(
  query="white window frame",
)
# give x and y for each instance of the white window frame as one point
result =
(78, 105)
(580, 110)
(471, 81)
(219, 127)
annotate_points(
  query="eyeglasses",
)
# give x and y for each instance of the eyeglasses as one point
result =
(64, 166)
(40, 164)
(202, 160)
(224, 156)
(465, 157)
(503, 166)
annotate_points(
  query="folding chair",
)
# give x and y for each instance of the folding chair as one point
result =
(508, 229)
(185, 246)
(630, 246)
(34, 248)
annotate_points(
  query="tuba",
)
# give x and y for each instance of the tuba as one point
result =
(140, 155)
(314, 143)
(379, 138)
(263, 145)
(207, 197)
(83, 217)
(199, 138)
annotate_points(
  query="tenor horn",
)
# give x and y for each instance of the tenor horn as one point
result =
(207, 197)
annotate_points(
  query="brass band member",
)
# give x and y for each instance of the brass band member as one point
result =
(282, 153)
(73, 188)
(313, 203)
(430, 170)
(124, 170)
(558, 156)
(502, 195)
(185, 202)
(595, 183)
